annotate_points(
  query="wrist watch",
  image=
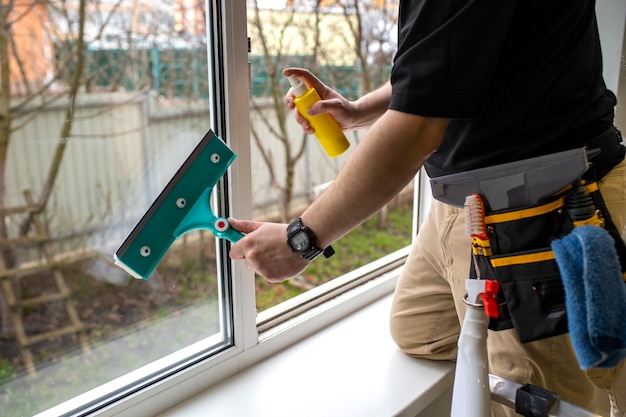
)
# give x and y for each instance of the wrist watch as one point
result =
(301, 240)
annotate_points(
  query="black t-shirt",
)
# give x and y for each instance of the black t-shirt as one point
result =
(517, 78)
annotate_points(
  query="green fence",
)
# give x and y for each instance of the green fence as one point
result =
(182, 73)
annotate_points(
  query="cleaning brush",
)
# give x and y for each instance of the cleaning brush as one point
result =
(475, 217)
(475, 225)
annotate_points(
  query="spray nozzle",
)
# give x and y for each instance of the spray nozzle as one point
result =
(297, 86)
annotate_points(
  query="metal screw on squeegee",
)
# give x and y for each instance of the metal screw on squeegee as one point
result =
(181, 203)
(215, 158)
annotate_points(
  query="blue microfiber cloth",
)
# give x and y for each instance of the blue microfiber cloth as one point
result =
(595, 296)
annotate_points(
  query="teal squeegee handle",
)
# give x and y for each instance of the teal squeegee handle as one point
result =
(201, 217)
(183, 206)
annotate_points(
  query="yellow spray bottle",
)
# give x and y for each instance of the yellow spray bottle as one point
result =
(328, 132)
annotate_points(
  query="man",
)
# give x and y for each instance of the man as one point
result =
(474, 83)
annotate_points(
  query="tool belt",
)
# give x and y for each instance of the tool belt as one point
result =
(536, 201)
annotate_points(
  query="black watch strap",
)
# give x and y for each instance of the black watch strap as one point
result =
(315, 252)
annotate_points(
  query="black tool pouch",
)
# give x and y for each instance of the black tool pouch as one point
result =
(532, 298)
(518, 253)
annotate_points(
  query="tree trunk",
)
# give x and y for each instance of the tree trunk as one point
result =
(66, 129)
(5, 131)
(5, 119)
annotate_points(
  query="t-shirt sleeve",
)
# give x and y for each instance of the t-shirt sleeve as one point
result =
(447, 53)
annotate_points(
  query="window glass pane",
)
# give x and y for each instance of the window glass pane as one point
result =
(349, 45)
(94, 127)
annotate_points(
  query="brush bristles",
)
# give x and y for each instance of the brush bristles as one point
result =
(475, 216)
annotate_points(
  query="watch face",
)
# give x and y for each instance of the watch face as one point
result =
(300, 241)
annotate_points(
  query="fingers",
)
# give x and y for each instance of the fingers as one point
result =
(311, 81)
(307, 76)
(244, 226)
(304, 123)
(331, 102)
(264, 250)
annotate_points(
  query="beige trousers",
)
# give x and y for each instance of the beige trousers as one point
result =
(427, 308)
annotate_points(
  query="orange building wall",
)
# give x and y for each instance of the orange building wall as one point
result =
(32, 62)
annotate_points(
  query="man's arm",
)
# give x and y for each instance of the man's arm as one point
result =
(388, 157)
(371, 106)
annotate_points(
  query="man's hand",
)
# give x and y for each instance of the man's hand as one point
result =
(350, 115)
(264, 250)
(331, 102)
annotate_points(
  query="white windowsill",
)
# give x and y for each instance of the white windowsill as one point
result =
(350, 368)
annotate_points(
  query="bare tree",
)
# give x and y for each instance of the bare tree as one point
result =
(43, 59)
(372, 24)
(22, 39)
(45, 53)
(28, 83)
(365, 48)
(30, 79)
(275, 120)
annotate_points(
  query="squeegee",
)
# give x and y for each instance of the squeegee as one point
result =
(184, 205)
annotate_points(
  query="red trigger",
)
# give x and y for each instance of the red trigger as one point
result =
(489, 298)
